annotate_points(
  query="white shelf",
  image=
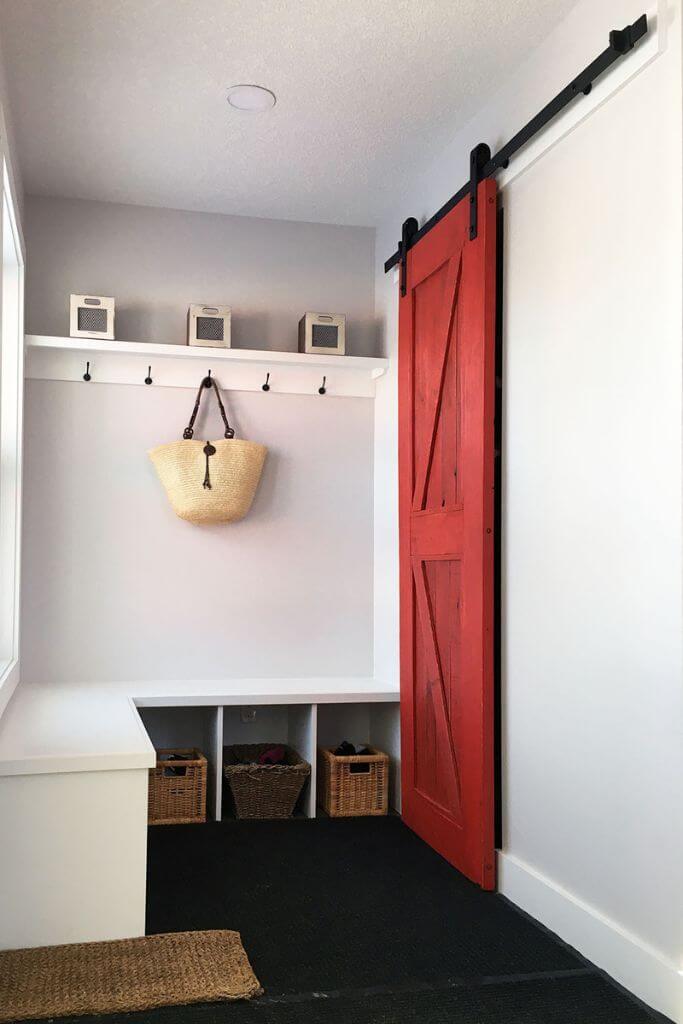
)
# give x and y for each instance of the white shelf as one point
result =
(179, 366)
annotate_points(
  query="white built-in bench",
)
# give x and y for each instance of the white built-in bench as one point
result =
(74, 763)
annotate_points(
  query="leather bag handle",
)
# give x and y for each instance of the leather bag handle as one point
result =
(208, 382)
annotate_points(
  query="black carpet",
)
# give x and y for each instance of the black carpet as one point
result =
(358, 920)
(338, 904)
(585, 1000)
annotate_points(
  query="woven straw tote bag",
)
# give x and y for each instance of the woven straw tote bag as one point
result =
(209, 481)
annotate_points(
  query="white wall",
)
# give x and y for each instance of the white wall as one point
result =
(156, 262)
(7, 139)
(592, 696)
(12, 247)
(115, 586)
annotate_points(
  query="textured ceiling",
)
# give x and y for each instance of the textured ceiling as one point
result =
(124, 100)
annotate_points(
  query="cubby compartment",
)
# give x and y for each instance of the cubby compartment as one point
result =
(292, 724)
(367, 724)
(184, 727)
(211, 728)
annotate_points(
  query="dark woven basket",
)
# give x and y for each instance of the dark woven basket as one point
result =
(263, 790)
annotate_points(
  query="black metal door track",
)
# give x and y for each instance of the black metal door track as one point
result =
(483, 165)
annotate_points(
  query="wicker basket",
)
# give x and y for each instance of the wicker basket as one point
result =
(264, 790)
(235, 472)
(355, 786)
(177, 789)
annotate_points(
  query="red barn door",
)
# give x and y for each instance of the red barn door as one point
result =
(446, 482)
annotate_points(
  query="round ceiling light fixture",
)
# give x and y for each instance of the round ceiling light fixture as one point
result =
(253, 98)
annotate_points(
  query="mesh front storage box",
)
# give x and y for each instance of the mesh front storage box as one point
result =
(263, 790)
(355, 786)
(177, 787)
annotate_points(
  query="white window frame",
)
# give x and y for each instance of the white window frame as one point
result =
(11, 436)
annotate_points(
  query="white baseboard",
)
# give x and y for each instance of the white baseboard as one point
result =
(636, 966)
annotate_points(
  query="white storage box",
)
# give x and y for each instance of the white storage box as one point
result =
(322, 332)
(208, 326)
(92, 316)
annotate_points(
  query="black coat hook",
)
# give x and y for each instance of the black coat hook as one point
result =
(148, 378)
(266, 386)
(86, 375)
(207, 380)
(322, 390)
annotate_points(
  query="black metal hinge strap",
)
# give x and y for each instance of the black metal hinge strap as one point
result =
(479, 157)
(408, 230)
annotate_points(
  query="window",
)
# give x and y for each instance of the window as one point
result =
(11, 424)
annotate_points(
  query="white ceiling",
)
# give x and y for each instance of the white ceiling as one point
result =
(124, 100)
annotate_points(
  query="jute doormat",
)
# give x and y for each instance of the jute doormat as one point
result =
(127, 974)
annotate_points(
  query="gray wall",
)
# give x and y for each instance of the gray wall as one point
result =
(155, 262)
(115, 586)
